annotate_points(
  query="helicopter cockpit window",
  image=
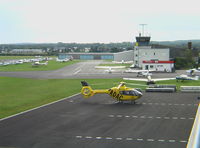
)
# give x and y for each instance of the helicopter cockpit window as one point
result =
(131, 93)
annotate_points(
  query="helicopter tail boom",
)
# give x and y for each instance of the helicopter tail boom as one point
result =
(87, 90)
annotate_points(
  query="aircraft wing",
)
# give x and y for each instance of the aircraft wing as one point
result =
(117, 62)
(110, 67)
(163, 79)
(146, 80)
(135, 71)
(128, 62)
(135, 79)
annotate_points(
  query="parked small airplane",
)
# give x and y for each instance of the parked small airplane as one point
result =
(120, 93)
(139, 72)
(192, 72)
(123, 62)
(19, 62)
(149, 80)
(62, 60)
(38, 63)
(110, 69)
(185, 77)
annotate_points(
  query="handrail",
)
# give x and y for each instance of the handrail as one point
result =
(194, 139)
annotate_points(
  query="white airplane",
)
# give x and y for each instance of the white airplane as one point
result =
(123, 62)
(144, 73)
(193, 71)
(149, 80)
(62, 60)
(6, 63)
(185, 77)
(37, 63)
(110, 69)
(19, 62)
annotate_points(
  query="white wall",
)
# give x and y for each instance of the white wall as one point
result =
(146, 53)
(125, 55)
(166, 67)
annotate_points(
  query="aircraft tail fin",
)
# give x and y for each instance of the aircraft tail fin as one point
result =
(86, 90)
(196, 78)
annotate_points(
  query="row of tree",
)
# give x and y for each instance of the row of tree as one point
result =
(184, 58)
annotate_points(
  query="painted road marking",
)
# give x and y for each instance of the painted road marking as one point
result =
(129, 139)
(161, 140)
(150, 117)
(108, 138)
(170, 104)
(88, 137)
(77, 71)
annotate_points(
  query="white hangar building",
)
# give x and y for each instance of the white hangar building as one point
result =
(149, 58)
(125, 55)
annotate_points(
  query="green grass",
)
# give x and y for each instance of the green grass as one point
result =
(127, 65)
(20, 94)
(52, 65)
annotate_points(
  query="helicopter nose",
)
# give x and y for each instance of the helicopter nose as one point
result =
(139, 94)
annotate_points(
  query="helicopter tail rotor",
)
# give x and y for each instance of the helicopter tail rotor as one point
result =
(86, 90)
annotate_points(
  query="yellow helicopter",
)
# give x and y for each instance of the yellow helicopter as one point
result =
(120, 93)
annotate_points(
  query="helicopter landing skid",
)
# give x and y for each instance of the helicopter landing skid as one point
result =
(127, 102)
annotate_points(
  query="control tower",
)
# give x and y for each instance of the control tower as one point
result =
(142, 39)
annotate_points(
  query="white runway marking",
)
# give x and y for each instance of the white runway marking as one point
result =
(129, 139)
(170, 104)
(77, 71)
(150, 117)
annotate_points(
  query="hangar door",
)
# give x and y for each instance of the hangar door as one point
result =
(107, 57)
(63, 56)
(86, 57)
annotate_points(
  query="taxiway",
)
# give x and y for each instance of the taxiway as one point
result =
(157, 120)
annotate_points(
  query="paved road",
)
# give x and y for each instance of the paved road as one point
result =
(157, 120)
(81, 70)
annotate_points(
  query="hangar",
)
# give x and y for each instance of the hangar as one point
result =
(125, 55)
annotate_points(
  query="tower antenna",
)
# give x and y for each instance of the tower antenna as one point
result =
(143, 26)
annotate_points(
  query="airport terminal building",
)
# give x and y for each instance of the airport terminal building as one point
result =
(143, 56)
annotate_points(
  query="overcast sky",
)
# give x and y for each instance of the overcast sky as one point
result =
(88, 21)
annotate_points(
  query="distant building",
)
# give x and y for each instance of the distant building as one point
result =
(26, 51)
(125, 55)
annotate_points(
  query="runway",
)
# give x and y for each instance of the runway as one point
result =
(157, 120)
(81, 70)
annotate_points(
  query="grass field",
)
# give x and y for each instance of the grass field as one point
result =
(52, 65)
(20, 94)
